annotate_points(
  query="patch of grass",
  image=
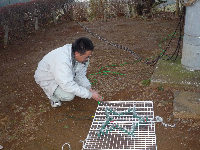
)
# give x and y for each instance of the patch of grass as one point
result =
(175, 70)
(146, 82)
(42, 110)
(13, 137)
(160, 88)
(66, 127)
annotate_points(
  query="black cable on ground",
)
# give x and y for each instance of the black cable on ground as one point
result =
(179, 41)
(154, 62)
(181, 24)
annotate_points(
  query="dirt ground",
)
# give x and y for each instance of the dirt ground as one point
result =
(27, 121)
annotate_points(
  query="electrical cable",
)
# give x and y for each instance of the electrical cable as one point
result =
(141, 120)
(180, 37)
(157, 118)
(137, 57)
(68, 116)
(68, 145)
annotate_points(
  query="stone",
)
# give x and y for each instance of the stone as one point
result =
(159, 105)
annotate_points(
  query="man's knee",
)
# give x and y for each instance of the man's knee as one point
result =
(62, 95)
(67, 97)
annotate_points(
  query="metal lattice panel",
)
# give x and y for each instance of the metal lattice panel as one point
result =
(128, 126)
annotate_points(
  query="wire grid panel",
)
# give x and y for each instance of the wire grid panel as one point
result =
(143, 137)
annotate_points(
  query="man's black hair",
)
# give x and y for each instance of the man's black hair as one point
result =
(82, 45)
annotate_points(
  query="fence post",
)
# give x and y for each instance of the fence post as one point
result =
(105, 11)
(105, 15)
(71, 12)
(6, 29)
(134, 11)
(36, 19)
(127, 10)
(54, 17)
(164, 7)
(36, 23)
(143, 12)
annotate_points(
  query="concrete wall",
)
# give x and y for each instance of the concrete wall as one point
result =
(191, 40)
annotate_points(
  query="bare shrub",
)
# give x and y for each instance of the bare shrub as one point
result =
(20, 17)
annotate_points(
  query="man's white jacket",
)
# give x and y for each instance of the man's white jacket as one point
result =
(56, 69)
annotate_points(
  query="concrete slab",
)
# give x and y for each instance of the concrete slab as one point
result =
(186, 104)
(172, 74)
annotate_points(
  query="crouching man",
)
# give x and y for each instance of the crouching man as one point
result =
(62, 73)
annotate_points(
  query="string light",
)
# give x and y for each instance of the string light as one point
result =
(100, 70)
(109, 119)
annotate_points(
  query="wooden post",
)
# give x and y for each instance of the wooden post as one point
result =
(105, 6)
(36, 19)
(71, 12)
(143, 12)
(127, 10)
(164, 8)
(54, 17)
(105, 15)
(177, 8)
(6, 29)
(36, 23)
(134, 11)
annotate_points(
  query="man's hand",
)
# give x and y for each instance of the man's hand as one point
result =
(95, 95)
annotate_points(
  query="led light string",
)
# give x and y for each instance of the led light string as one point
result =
(137, 57)
(106, 72)
(142, 120)
(102, 131)
(68, 116)
(116, 126)
(175, 54)
(109, 111)
(160, 119)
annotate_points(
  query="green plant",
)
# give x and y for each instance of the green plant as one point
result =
(66, 127)
(160, 88)
(146, 82)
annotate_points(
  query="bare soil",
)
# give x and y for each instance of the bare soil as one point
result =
(27, 121)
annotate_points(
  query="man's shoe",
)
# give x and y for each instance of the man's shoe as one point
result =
(55, 104)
